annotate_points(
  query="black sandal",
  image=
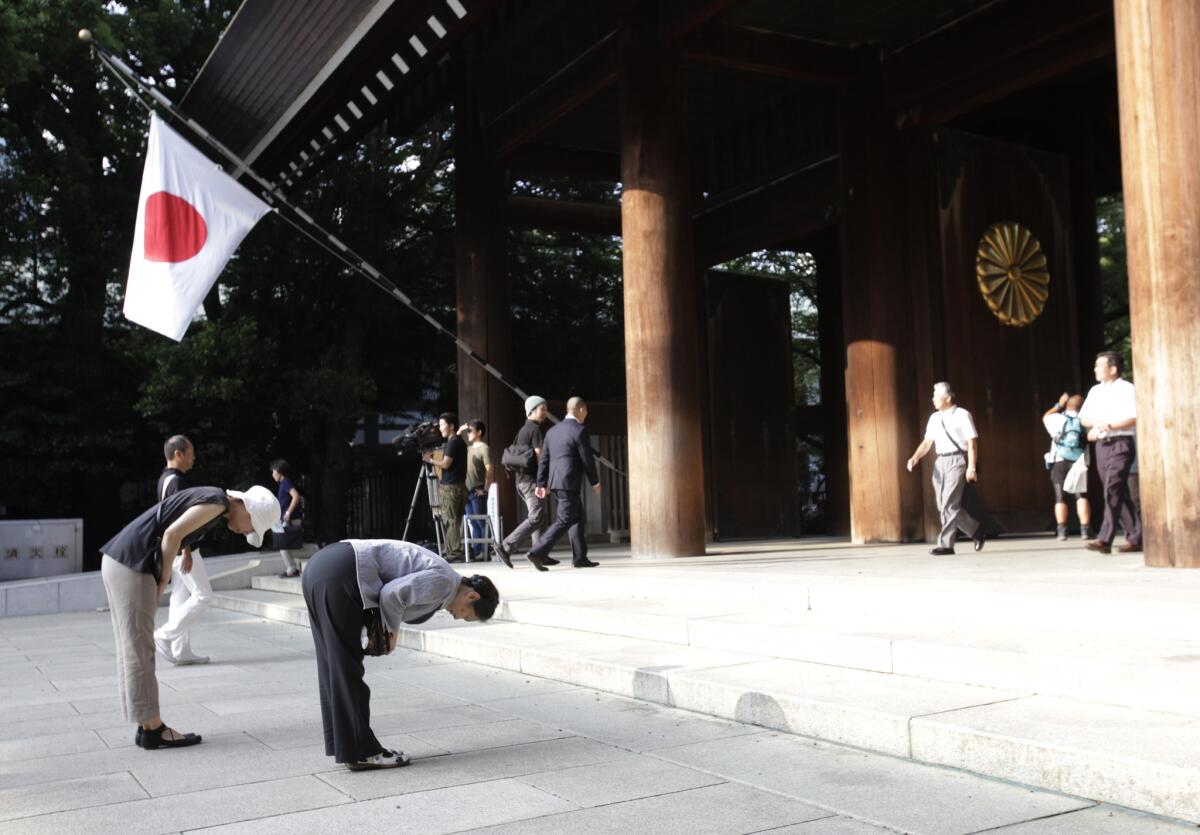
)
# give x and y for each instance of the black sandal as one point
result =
(151, 739)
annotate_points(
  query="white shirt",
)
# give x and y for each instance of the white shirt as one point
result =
(1110, 403)
(957, 423)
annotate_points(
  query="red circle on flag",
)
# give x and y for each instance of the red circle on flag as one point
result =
(175, 231)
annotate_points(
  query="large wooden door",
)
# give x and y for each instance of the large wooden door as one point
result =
(1005, 376)
(752, 447)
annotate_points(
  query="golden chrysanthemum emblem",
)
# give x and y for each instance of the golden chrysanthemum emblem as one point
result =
(1010, 267)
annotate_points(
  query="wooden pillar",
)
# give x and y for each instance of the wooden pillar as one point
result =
(1158, 74)
(666, 470)
(826, 252)
(883, 425)
(481, 263)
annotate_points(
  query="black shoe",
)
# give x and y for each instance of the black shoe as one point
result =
(979, 539)
(455, 559)
(151, 739)
(536, 562)
(584, 563)
(549, 560)
(941, 552)
(505, 556)
(137, 738)
(1099, 546)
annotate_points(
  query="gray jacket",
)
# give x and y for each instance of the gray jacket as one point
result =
(407, 582)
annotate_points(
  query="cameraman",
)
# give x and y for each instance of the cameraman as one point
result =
(452, 486)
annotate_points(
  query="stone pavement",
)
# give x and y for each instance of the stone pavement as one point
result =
(495, 751)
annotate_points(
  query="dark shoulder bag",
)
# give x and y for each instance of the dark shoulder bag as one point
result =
(519, 459)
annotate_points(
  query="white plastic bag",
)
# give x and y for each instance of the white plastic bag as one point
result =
(1076, 480)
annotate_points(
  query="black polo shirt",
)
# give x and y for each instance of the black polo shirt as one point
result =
(455, 448)
(171, 481)
(138, 545)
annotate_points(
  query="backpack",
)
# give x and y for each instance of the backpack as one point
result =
(1069, 441)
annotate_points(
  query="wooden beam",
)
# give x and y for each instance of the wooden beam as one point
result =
(1006, 44)
(769, 53)
(593, 71)
(1015, 72)
(698, 17)
(563, 215)
(790, 207)
(535, 160)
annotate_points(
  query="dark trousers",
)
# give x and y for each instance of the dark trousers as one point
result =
(1114, 458)
(535, 521)
(335, 613)
(569, 518)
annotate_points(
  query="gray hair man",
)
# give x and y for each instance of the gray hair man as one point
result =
(950, 431)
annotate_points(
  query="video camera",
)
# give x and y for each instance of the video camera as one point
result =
(420, 439)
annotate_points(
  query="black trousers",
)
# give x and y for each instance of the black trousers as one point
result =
(335, 613)
(569, 517)
(1114, 458)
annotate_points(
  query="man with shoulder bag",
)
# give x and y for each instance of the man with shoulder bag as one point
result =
(950, 432)
(521, 459)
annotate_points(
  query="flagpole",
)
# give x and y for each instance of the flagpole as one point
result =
(310, 228)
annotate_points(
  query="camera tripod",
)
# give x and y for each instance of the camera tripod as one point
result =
(429, 478)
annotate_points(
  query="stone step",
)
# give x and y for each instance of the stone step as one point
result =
(1137, 758)
(1159, 673)
(284, 607)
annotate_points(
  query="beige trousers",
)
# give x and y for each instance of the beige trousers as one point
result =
(132, 600)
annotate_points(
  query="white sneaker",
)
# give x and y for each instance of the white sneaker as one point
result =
(191, 659)
(164, 646)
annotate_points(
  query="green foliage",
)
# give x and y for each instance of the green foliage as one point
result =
(70, 149)
(1114, 277)
(293, 348)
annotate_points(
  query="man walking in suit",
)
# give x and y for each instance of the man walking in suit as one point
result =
(566, 458)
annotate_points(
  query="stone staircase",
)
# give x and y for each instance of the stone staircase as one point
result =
(1066, 686)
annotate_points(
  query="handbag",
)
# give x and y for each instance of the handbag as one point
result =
(1076, 479)
(374, 634)
(291, 538)
(519, 459)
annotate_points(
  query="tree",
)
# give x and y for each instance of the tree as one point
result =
(292, 348)
(1114, 277)
(70, 151)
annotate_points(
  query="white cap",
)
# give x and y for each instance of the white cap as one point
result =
(263, 508)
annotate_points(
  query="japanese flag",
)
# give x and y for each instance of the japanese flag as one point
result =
(191, 217)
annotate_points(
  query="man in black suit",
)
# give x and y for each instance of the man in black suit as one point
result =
(566, 458)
